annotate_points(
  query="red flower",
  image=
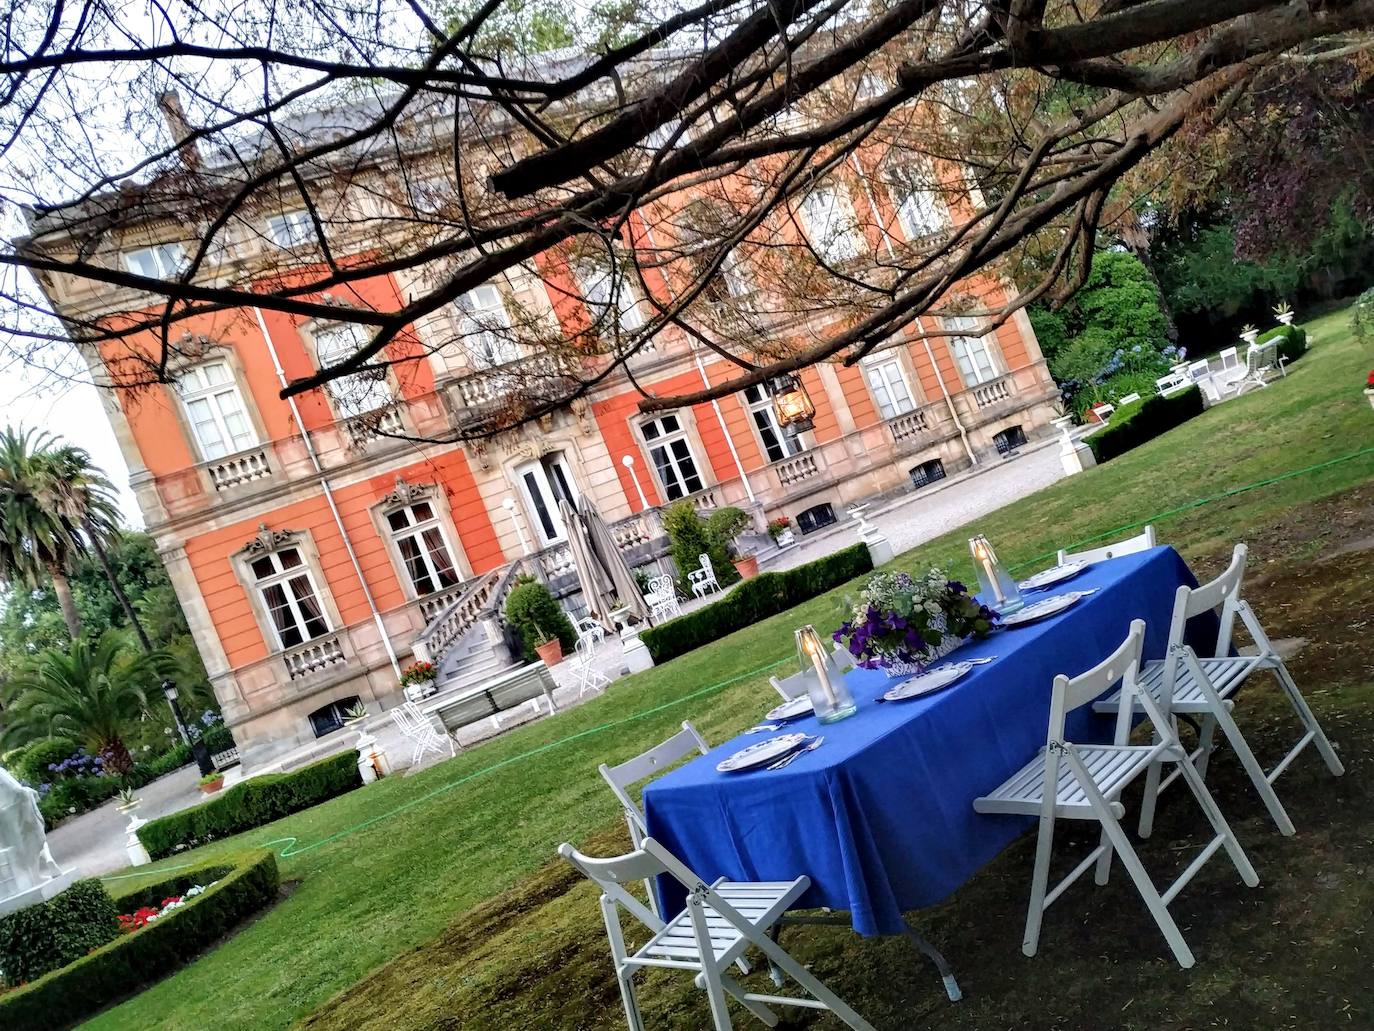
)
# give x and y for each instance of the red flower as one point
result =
(1369, 383)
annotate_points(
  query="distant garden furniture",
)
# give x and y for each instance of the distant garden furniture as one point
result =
(721, 921)
(415, 725)
(501, 694)
(1143, 541)
(1129, 399)
(785, 539)
(1069, 781)
(795, 686)
(1173, 383)
(589, 676)
(590, 631)
(1102, 412)
(1229, 359)
(1201, 374)
(661, 598)
(1259, 363)
(703, 580)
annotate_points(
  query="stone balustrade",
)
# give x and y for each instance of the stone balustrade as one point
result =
(433, 604)
(798, 468)
(239, 468)
(909, 425)
(986, 395)
(457, 618)
(313, 656)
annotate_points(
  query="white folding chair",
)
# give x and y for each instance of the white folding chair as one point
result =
(703, 580)
(1085, 782)
(1229, 359)
(589, 630)
(624, 776)
(1188, 685)
(721, 921)
(1143, 541)
(1199, 369)
(795, 686)
(423, 737)
(590, 677)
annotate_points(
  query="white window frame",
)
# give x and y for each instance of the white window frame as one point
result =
(764, 416)
(484, 321)
(920, 212)
(416, 528)
(831, 225)
(662, 440)
(883, 374)
(601, 288)
(282, 576)
(965, 350)
(160, 261)
(291, 229)
(540, 469)
(358, 393)
(222, 401)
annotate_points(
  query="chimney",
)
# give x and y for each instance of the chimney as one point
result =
(175, 117)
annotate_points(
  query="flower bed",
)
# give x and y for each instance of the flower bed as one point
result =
(236, 887)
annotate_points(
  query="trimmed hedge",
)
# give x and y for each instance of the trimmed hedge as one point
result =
(1157, 415)
(1292, 341)
(252, 803)
(62, 998)
(765, 595)
(52, 934)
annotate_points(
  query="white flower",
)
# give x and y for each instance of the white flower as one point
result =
(933, 607)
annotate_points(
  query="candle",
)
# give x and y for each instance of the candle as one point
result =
(985, 556)
(813, 649)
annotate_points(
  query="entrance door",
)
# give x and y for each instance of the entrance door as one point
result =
(545, 483)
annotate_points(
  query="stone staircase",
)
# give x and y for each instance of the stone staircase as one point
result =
(472, 659)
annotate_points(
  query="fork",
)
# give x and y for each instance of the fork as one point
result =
(763, 727)
(810, 746)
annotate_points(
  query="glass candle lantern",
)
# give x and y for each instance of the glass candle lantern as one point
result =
(830, 698)
(995, 584)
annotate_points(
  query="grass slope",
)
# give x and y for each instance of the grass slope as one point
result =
(385, 870)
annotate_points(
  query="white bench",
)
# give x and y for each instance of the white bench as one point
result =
(489, 700)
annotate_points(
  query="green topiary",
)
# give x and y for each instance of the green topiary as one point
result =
(725, 524)
(534, 613)
(252, 803)
(689, 538)
(236, 886)
(765, 595)
(30, 763)
(1291, 341)
(51, 934)
(1157, 415)
(1362, 317)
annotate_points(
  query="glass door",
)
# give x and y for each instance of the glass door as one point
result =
(545, 483)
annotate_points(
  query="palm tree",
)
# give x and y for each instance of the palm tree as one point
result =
(53, 505)
(91, 693)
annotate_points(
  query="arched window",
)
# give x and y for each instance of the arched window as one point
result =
(816, 517)
(1009, 440)
(927, 472)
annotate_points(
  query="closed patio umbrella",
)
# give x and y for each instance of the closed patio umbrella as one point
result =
(597, 587)
(612, 561)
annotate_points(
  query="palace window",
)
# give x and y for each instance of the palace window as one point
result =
(830, 225)
(423, 546)
(777, 444)
(545, 483)
(1009, 439)
(927, 472)
(215, 409)
(329, 718)
(920, 211)
(609, 297)
(292, 229)
(357, 393)
(672, 456)
(161, 261)
(287, 589)
(973, 355)
(887, 381)
(486, 328)
(816, 517)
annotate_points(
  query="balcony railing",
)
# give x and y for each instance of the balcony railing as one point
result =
(458, 617)
(804, 466)
(481, 394)
(433, 604)
(988, 394)
(313, 656)
(369, 426)
(240, 468)
(909, 425)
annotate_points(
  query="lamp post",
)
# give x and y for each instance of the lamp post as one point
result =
(629, 463)
(509, 506)
(198, 749)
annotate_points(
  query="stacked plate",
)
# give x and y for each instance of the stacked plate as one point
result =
(1043, 609)
(1050, 577)
(791, 710)
(931, 680)
(761, 753)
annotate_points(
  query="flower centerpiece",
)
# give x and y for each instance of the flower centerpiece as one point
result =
(900, 623)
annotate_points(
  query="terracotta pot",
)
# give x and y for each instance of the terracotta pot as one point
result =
(213, 786)
(551, 652)
(748, 567)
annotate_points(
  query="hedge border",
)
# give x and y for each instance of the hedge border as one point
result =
(244, 884)
(1157, 416)
(758, 598)
(252, 803)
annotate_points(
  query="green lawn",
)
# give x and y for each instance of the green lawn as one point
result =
(385, 870)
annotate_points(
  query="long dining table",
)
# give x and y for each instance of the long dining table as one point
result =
(880, 816)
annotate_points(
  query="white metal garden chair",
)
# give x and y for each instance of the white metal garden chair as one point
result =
(1188, 685)
(589, 630)
(1259, 363)
(1143, 541)
(590, 677)
(416, 726)
(721, 921)
(703, 580)
(1229, 358)
(795, 686)
(1085, 782)
(662, 598)
(1173, 383)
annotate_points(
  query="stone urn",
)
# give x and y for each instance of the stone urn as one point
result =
(1250, 336)
(1286, 318)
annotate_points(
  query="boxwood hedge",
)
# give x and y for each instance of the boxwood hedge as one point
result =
(252, 803)
(52, 934)
(64, 997)
(1157, 415)
(765, 595)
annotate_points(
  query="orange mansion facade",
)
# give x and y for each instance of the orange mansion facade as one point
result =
(314, 557)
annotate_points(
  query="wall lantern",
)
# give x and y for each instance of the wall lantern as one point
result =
(792, 404)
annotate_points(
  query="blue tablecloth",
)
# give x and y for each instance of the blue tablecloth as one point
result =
(881, 816)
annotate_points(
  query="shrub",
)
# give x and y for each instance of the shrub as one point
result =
(533, 612)
(725, 524)
(765, 595)
(74, 796)
(689, 538)
(1362, 317)
(30, 763)
(1157, 415)
(51, 934)
(243, 885)
(252, 803)
(1291, 341)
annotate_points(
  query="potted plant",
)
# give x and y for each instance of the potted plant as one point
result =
(726, 525)
(355, 714)
(547, 647)
(1249, 334)
(1369, 389)
(535, 616)
(780, 529)
(212, 782)
(1283, 311)
(419, 680)
(128, 801)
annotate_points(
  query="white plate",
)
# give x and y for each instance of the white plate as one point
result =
(796, 708)
(930, 680)
(1042, 609)
(761, 752)
(1050, 577)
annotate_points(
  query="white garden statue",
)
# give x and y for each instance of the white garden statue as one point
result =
(28, 873)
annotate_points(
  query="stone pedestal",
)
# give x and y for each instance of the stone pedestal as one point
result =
(879, 547)
(372, 759)
(1074, 455)
(636, 655)
(138, 855)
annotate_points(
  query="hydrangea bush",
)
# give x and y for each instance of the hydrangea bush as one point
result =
(901, 618)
